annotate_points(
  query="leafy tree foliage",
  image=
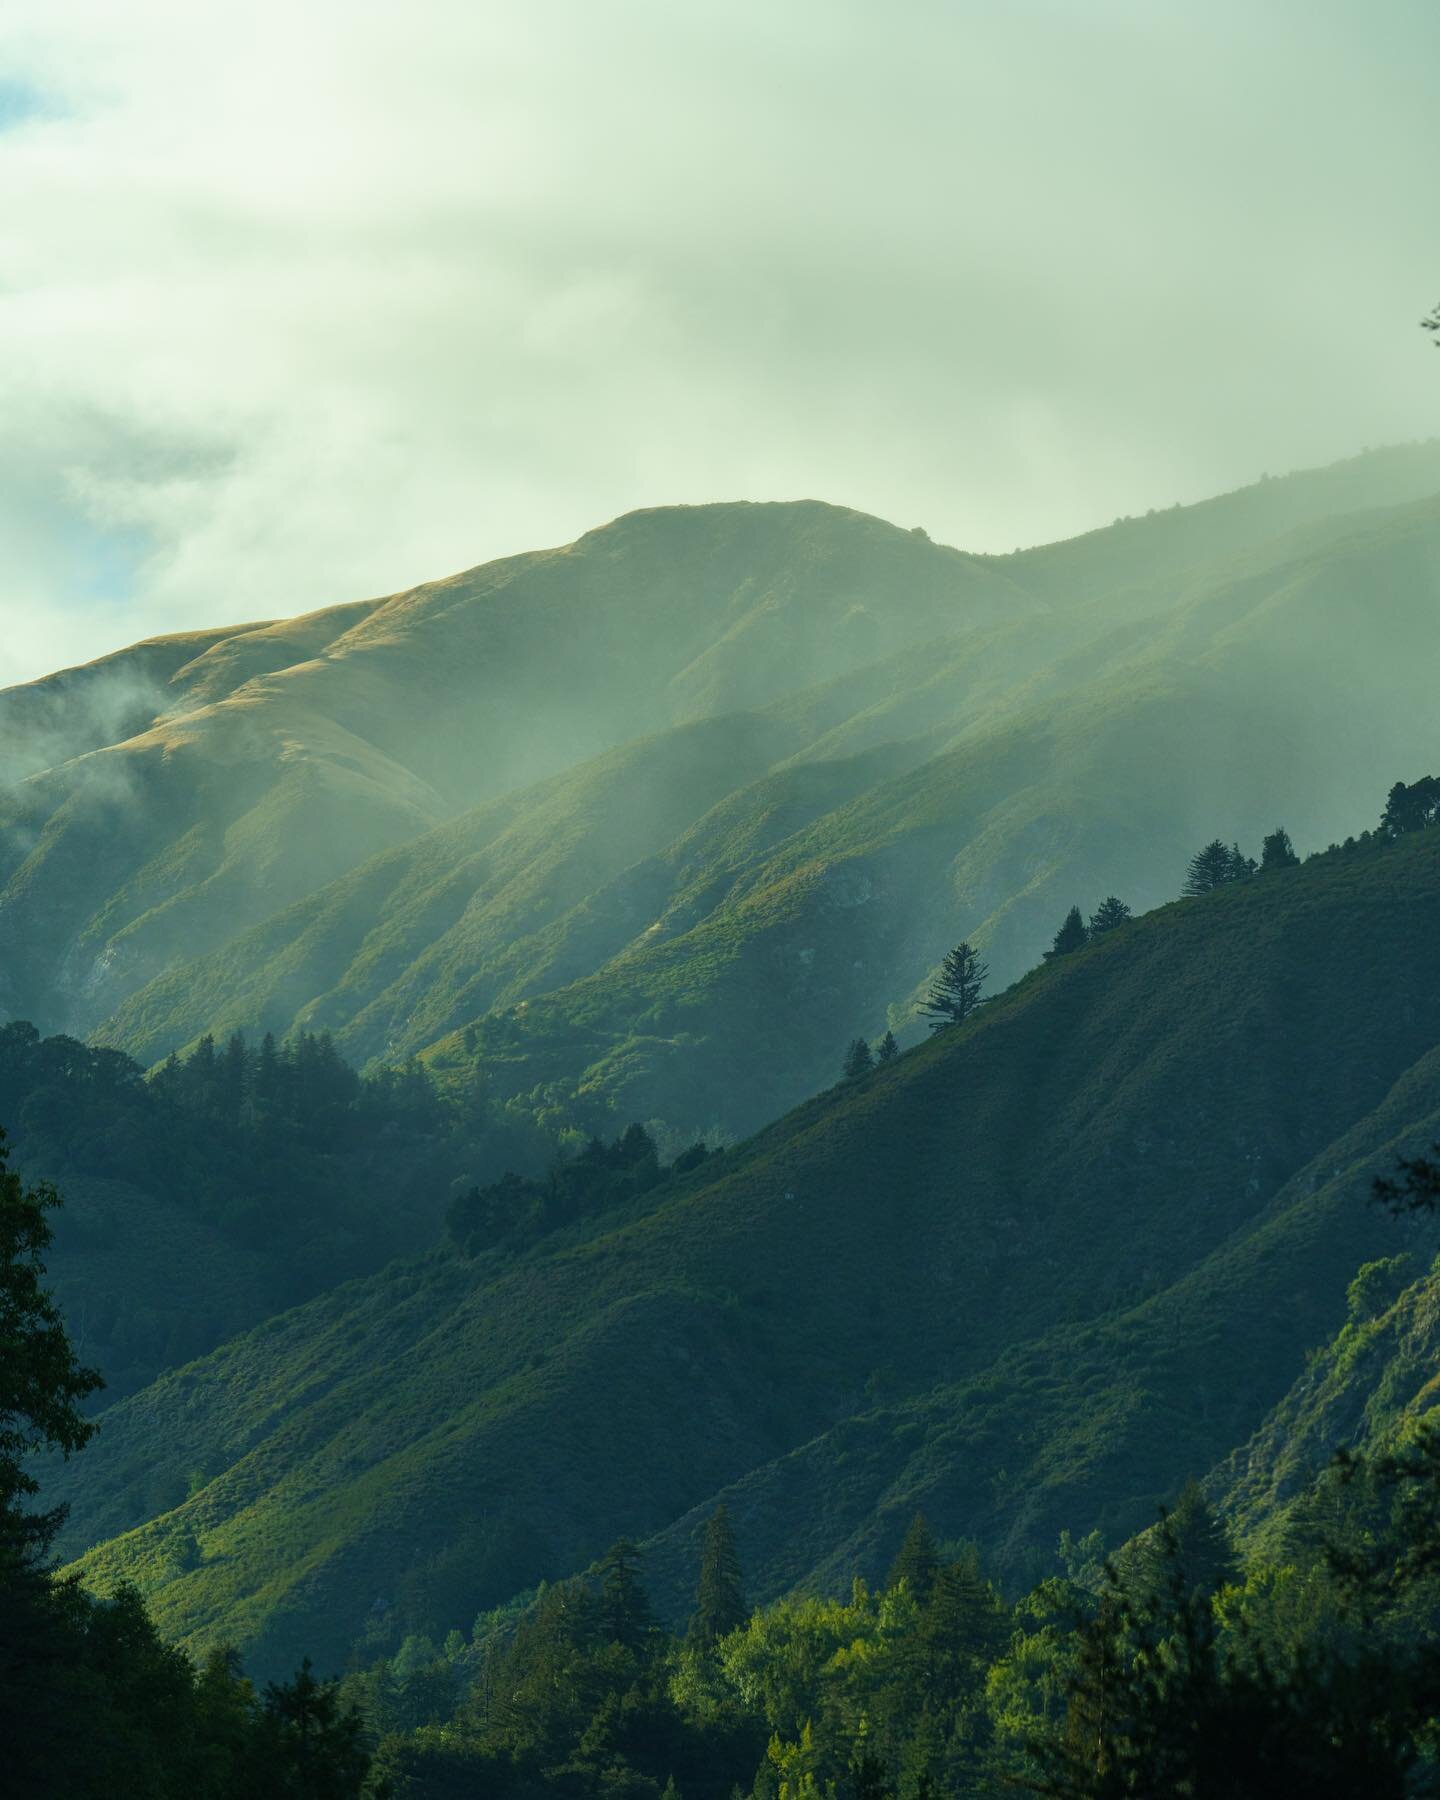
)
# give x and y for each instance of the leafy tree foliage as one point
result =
(1277, 852)
(956, 990)
(1071, 936)
(1411, 808)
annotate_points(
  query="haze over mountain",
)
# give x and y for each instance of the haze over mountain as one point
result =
(611, 805)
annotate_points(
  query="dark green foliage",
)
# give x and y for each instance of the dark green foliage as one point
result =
(41, 1379)
(1277, 852)
(1411, 808)
(956, 990)
(1071, 936)
(916, 1561)
(887, 1050)
(93, 1706)
(1110, 913)
(720, 1596)
(624, 1616)
(1414, 1188)
(1215, 866)
(516, 1211)
(858, 1059)
(268, 1174)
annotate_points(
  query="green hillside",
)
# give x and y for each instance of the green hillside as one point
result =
(1034, 1274)
(276, 758)
(822, 747)
(687, 929)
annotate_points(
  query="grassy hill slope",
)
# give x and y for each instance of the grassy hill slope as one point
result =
(697, 951)
(276, 758)
(1037, 1271)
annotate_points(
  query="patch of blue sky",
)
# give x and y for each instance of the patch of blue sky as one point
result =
(21, 101)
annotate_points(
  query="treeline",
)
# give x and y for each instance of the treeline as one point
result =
(283, 1148)
(93, 1705)
(515, 1211)
(959, 987)
(1175, 1667)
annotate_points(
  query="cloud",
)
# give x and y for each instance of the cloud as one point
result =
(303, 303)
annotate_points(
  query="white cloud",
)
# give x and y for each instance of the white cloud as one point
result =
(311, 300)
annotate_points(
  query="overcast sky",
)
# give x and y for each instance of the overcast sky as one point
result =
(302, 301)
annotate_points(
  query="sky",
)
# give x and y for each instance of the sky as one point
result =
(307, 300)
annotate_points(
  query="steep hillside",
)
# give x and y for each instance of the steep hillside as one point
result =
(276, 758)
(333, 820)
(690, 928)
(1033, 1274)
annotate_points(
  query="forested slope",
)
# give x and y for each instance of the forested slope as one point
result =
(1033, 1274)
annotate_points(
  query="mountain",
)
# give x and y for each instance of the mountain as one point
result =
(822, 750)
(1032, 1275)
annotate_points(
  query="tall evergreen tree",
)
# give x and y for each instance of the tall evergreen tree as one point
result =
(1108, 915)
(858, 1060)
(956, 990)
(1210, 868)
(917, 1561)
(1241, 865)
(719, 1595)
(888, 1049)
(1071, 936)
(624, 1615)
(1277, 852)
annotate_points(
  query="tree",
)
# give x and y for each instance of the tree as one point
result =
(1411, 808)
(719, 1595)
(956, 990)
(1277, 852)
(625, 1615)
(41, 1379)
(1241, 865)
(1432, 323)
(1108, 915)
(1071, 936)
(858, 1060)
(888, 1049)
(1210, 868)
(917, 1561)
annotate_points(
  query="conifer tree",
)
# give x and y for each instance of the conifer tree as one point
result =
(719, 1595)
(1277, 852)
(917, 1561)
(888, 1049)
(1071, 936)
(625, 1615)
(1210, 868)
(956, 990)
(1241, 865)
(1109, 914)
(858, 1060)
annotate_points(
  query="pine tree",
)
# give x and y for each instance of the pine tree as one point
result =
(1210, 868)
(858, 1060)
(719, 1595)
(1277, 852)
(625, 1615)
(917, 1561)
(956, 990)
(1241, 865)
(1109, 914)
(888, 1049)
(1071, 936)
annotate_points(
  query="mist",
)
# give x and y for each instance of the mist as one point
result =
(336, 301)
